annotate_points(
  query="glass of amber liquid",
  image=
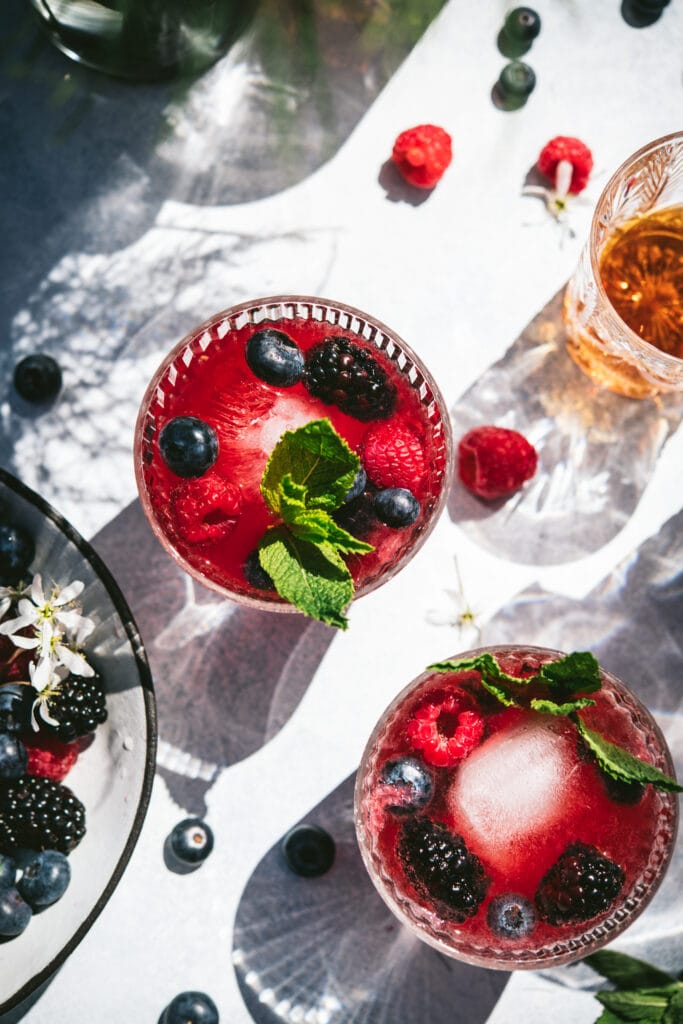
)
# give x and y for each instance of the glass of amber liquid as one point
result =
(623, 307)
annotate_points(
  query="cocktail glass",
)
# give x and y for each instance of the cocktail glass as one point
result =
(207, 376)
(528, 819)
(600, 341)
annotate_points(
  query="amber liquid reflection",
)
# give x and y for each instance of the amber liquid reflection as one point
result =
(641, 267)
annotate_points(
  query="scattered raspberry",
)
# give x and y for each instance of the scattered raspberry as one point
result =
(444, 731)
(205, 508)
(393, 456)
(580, 885)
(493, 462)
(50, 757)
(422, 154)
(442, 869)
(575, 152)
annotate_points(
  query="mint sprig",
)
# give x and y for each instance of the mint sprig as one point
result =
(306, 478)
(558, 688)
(643, 993)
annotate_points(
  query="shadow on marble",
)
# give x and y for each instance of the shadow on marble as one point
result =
(327, 948)
(226, 677)
(597, 450)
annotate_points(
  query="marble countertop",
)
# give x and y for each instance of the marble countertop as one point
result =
(131, 213)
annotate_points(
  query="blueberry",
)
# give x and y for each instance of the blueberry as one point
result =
(309, 850)
(517, 81)
(8, 871)
(255, 574)
(15, 914)
(511, 916)
(37, 378)
(413, 781)
(190, 1008)
(191, 841)
(275, 358)
(15, 707)
(357, 487)
(44, 879)
(396, 507)
(17, 549)
(13, 757)
(188, 446)
(523, 24)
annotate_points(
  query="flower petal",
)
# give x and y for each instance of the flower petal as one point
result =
(68, 593)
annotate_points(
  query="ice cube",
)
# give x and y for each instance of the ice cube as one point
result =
(288, 413)
(511, 789)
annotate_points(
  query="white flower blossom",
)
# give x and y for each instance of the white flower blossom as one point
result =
(38, 609)
(8, 595)
(47, 681)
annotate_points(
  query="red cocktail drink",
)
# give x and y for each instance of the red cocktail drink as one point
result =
(515, 807)
(242, 381)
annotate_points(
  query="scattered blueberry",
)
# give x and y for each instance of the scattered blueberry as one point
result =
(191, 841)
(255, 574)
(190, 1008)
(15, 707)
(37, 378)
(17, 549)
(413, 781)
(13, 756)
(45, 878)
(188, 446)
(511, 916)
(358, 486)
(275, 358)
(15, 913)
(516, 82)
(8, 871)
(396, 507)
(523, 24)
(309, 850)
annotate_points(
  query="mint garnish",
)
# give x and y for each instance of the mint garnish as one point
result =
(621, 765)
(557, 689)
(306, 478)
(643, 993)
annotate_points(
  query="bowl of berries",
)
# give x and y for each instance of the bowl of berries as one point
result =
(77, 738)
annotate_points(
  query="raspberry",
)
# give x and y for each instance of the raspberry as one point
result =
(50, 757)
(444, 731)
(580, 885)
(205, 509)
(41, 814)
(575, 152)
(343, 374)
(393, 456)
(442, 869)
(422, 154)
(493, 462)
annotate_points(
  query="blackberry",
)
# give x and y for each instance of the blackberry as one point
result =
(79, 706)
(41, 814)
(357, 516)
(343, 374)
(442, 869)
(580, 885)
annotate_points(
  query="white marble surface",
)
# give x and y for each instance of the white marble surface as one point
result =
(459, 276)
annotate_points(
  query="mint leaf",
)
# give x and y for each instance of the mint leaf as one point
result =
(318, 527)
(636, 1004)
(313, 578)
(626, 972)
(551, 707)
(621, 765)
(576, 673)
(674, 1011)
(607, 1017)
(315, 457)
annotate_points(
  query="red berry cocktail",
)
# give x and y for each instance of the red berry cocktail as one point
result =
(515, 807)
(293, 453)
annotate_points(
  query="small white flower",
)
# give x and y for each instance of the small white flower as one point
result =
(57, 609)
(459, 614)
(47, 681)
(8, 596)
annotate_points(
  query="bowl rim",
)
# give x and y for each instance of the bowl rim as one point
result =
(128, 622)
